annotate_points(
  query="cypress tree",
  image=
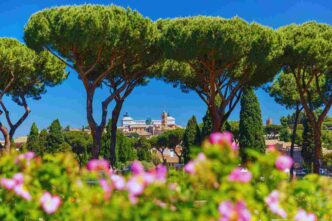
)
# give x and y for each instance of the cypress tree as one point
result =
(207, 126)
(33, 139)
(42, 141)
(308, 145)
(55, 137)
(251, 131)
(191, 137)
(284, 132)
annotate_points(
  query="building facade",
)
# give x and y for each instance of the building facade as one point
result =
(148, 127)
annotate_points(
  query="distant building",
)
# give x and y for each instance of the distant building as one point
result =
(269, 122)
(148, 127)
(19, 141)
(284, 147)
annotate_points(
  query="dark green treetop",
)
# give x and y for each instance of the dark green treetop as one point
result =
(33, 139)
(218, 57)
(105, 45)
(308, 58)
(25, 74)
(55, 137)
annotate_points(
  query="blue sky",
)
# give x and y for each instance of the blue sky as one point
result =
(67, 101)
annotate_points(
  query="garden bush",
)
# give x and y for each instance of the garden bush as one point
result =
(213, 186)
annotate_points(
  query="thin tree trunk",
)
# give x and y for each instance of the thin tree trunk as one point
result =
(95, 130)
(115, 117)
(318, 149)
(5, 134)
(215, 118)
(297, 113)
(13, 127)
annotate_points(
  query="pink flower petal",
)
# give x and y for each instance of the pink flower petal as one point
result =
(284, 162)
(238, 175)
(137, 168)
(220, 138)
(49, 203)
(97, 165)
(190, 167)
(304, 216)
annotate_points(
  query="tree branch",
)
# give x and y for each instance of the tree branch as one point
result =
(60, 58)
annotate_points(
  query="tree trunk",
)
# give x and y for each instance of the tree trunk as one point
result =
(297, 113)
(5, 133)
(96, 137)
(216, 119)
(318, 148)
(115, 117)
(95, 130)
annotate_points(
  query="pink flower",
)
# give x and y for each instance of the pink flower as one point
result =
(21, 191)
(149, 177)
(18, 178)
(50, 203)
(272, 201)
(118, 182)
(173, 186)
(190, 167)
(239, 175)
(161, 173)
(220, 138)
(135, 185)
(105, 185)
(235, 146)
(304, 216)
(283, 162)
(229, 211)
(271, 148)
(133, 198)
(96, 165)
(27, 157)
(201, 157)
(8, 183)
(137, 168)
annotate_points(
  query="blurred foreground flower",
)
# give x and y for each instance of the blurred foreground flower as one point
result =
(25, 157)
(96, 165)
(229, 211)
(304, 216)
(240, 175)
(16, 184)
(273, 203)
(50, 203)
(284, 163)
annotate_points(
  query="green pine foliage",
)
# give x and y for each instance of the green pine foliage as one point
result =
(43, 140)
(191, 137)
(80, 143)
(125, 149)
(33, 143)
(54, 138)
(143, 148)
(284, 131)
(251, 132)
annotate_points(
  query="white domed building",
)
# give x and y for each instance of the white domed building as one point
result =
(148, 127)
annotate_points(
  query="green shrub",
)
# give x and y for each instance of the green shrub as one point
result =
(212, 186)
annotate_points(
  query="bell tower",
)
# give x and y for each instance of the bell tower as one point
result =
(164, 116)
